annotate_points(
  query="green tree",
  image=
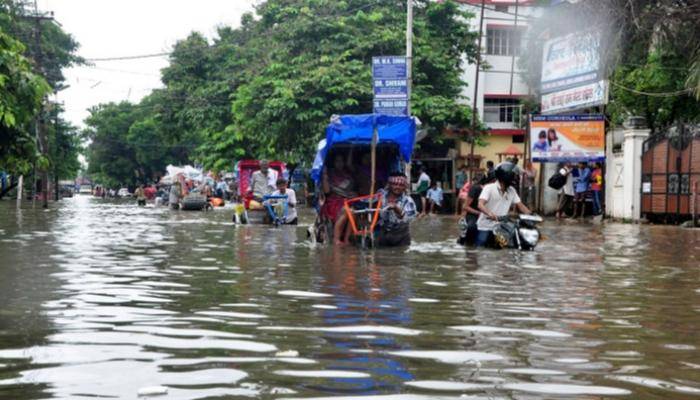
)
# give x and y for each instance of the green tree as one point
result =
(316, 63)
(269, 87)
(21, 93)
(111, 158)
(64, 145)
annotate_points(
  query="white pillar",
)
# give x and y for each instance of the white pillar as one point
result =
(632, 173)
(550, 197)
(20, 186)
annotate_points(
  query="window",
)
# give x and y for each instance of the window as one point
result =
(503, 41)
(501, 110)
(518, 138)
(501, 8)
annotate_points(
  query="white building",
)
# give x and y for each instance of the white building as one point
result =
(500, 86)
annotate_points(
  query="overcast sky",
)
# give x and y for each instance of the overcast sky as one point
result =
(115, 28)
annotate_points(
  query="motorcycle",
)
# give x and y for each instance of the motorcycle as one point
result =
(511, 233)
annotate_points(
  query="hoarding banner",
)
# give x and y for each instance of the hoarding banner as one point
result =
(390, 84)
(570, 61)
(567, 138)
(589, 95)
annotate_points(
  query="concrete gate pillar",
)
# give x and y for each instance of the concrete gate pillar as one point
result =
(635, 133)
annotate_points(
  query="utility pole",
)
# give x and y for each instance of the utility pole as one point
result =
(476, 90)
(409, 51)
(57, 126)
(516, 32)
(409, 69)
(39, 124)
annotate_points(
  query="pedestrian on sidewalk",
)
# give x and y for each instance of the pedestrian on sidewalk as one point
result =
(566, 193)
(596, 188)
(581, 189)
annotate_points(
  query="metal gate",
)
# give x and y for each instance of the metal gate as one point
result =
(671, 175)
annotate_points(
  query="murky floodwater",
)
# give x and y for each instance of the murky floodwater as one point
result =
(107, 300)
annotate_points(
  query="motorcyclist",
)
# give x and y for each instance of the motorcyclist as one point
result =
(495, 201)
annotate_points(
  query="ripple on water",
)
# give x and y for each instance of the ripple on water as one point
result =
(234, 360)
(565, 389)
(404, 396)
(379, 329)
(494, 329)
(447, 356)
(655, 384)
(326, 373)
(532, 371)
(165, 331)
(160, 341)
(300, 293)
(231, 314)
(450, 386)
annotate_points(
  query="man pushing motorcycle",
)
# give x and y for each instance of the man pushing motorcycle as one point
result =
(495, 201)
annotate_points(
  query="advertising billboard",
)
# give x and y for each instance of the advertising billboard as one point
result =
(570, 61)
(567, 138)
(591, 94)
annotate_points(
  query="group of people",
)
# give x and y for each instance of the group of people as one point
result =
(489, 198)
(430, 193)
(267, 182)
(523, 182)
(217, 190)
(581, 182)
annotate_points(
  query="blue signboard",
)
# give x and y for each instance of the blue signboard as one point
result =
(390, 84)
(397, 106)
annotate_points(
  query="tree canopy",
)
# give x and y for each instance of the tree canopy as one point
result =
(21, 93)
(23, 87)
(269, 87)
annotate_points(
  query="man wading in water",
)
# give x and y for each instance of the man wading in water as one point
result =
(395, 219)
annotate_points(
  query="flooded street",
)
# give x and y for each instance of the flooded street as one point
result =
(108, 300)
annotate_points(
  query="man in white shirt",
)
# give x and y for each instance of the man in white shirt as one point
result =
(263, 181)
(495, 201)
(283, 190)
(422, 190)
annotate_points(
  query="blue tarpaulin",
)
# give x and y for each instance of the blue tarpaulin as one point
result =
(358, 129)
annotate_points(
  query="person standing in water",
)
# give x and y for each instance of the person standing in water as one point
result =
(422, 190)
(399, 211)
(140, 195)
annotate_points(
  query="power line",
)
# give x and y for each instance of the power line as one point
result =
(126, 58)
(650, 94)
(168, 53)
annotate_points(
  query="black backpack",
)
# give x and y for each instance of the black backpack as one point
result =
(557, 181)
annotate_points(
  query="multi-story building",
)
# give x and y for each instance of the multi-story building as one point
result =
(500, 85)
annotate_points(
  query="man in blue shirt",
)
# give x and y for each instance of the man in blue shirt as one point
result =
(581, 188)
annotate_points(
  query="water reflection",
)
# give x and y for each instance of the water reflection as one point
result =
(110, 300)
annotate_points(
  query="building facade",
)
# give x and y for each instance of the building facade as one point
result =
(500, 85)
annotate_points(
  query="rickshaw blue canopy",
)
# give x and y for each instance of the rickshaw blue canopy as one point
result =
(359, 129)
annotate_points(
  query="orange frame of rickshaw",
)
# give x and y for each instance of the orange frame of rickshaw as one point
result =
(375, 217)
